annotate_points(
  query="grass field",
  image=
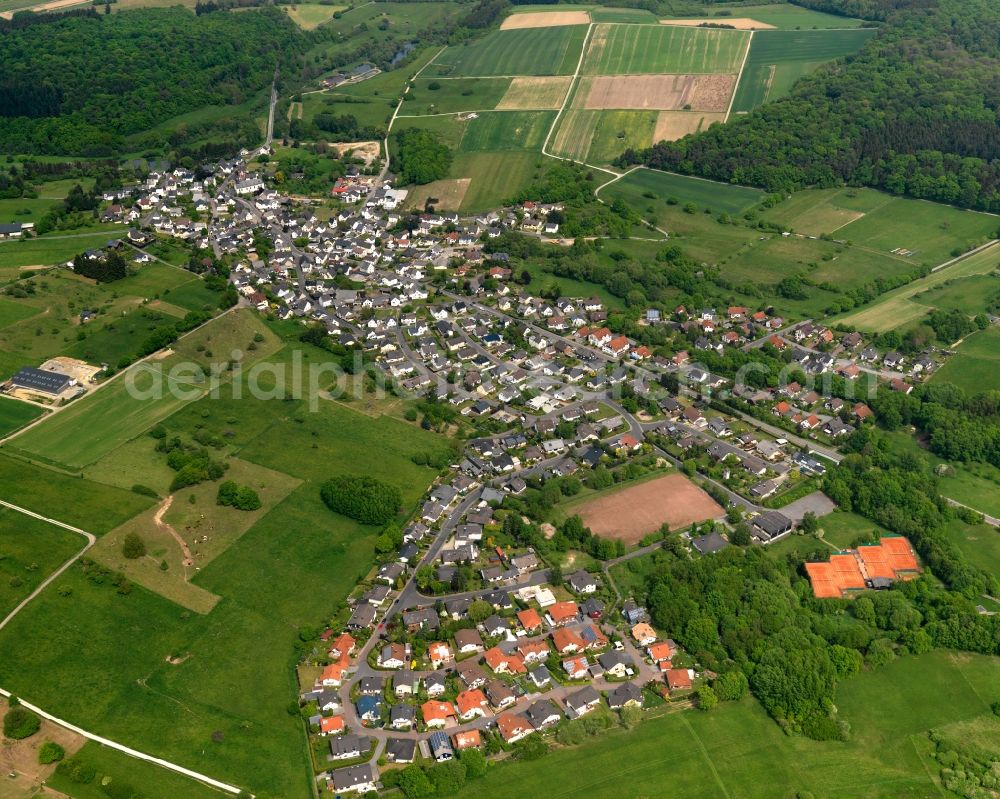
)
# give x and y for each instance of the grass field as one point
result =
(897, 307)
(82, 503)
(461, 94)
(648, 49)
(721, 198)
(93, 426)
(614, 132)
(15, 414)
(120, 769)
(48, 251)
(778, 58)
(311, 557)
(506, 130)
(976, 365)
(311, 15)
(970, 295)
(495, 177)
(529, 51)
(737, 751)
(30, 550)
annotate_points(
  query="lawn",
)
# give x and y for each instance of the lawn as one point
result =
(778, 58)
(118, 338)
(15, 414)
(120, 770)
(94, 425)
(979, 543)
(460, 94)
(842, 528)
(976, 365)
(663, 49)
(529, 51)
(737, 751)
(30, 550)
(311, 15)
(897, 307)
(719, 197)
(82, 503)
(220, 706)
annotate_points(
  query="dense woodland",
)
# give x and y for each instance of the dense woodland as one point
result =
(81, 84)
(915, 112)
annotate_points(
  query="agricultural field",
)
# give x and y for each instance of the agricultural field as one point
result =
(96, 424)
(311, 15)
(899, 307)
(778, 58)
(495, 177)
(30, 550)
(544, 19)
(16, 255)
(535, 93)
(430, 96)
(673, 125)
(15, 414)
(526, 51)
(651, 49)
(737, 751)
(976, 365)
(506, 130)
(786, 16)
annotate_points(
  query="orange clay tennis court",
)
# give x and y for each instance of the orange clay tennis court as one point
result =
(631, 513)
(891, 559)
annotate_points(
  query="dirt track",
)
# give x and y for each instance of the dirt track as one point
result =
(633, 512)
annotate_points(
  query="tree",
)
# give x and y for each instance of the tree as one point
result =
(881, 652)
(133, 547)
(20, 723)
(420, 156)
(414, 783)
(731, 686)
(706, 697)
(474, 762)
(50, 752)
(809, 524)
(480, 610)
(630, 716)
(365, 499)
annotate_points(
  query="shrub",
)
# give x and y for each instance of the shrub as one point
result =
(20, 723)
(237, 496)
(50, 752)
(133, 547)
(146, 491)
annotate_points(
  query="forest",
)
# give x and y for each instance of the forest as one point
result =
(914, 113)
(78, 85)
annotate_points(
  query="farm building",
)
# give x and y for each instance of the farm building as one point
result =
(41, 380)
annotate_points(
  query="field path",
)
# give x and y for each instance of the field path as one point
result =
(91, 540)
(169, 528)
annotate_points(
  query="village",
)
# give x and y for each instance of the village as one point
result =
(494, 647)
